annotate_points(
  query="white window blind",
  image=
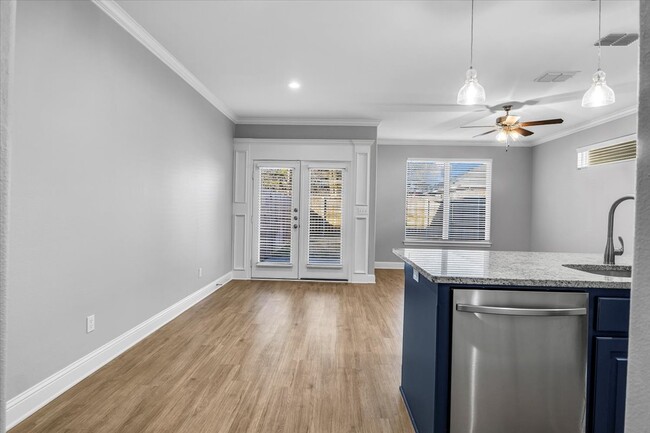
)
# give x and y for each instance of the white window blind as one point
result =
(448, 200)
(607, 153)
(325, 241)
(275, 212)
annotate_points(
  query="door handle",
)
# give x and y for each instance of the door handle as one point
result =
(511, 311)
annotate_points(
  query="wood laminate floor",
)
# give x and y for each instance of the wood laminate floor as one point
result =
(256, 356)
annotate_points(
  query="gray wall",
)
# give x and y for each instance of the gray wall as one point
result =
(307, 132)
(121, 188)
(511, 186)
(325, 132)
(570, 206)
(637, 417)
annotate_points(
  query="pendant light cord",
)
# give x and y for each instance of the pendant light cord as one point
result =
(600, 6)
(471, 43)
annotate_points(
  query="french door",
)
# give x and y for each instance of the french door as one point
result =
(299, 227)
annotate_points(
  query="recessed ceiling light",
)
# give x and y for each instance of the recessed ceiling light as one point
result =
(294, 85)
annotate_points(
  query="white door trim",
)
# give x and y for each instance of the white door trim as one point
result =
(356, 152)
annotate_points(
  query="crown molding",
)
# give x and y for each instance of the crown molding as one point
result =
(587, 125)
(305, 141)
(307, 121)
(126, 21)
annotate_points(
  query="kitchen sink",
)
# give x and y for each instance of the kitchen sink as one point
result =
(607, 270)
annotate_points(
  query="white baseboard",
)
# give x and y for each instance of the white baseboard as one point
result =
(29, 401)
(362, 279)
(389, 265)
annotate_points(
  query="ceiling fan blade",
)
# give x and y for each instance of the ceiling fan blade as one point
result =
(541, 122)
(485, 133)
(522, 131)
(474, 126)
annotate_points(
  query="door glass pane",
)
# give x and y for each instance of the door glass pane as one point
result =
(325, 216)
(275, 213)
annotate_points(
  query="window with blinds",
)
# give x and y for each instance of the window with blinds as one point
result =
(448, 200)
(325, 243)
(275, 206)
(607, 153)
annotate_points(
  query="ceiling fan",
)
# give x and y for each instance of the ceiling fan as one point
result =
(509, 127)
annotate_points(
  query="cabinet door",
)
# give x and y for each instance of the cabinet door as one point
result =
(419, 349)
(609, 384)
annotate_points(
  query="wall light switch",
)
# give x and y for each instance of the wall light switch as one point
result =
(200, 272)
(90, 323)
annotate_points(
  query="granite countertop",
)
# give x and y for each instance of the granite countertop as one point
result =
(510, 268)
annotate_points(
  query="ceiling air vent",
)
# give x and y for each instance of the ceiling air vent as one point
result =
(555, 76)
(617, 39)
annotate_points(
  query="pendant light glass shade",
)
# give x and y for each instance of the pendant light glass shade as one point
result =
(472, 92)
(599, 94)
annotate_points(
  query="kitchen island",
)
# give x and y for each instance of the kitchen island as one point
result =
(513, 341)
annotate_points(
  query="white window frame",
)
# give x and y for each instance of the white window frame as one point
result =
(487, 243)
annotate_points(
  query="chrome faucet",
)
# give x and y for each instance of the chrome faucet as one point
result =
(610, 251)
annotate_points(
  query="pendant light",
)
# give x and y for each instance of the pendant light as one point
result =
(599, 94)
(472, 92)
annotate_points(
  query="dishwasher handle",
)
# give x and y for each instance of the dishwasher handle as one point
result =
(511, 311)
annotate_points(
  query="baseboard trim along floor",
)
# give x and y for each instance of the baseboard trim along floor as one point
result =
(31, 400)
(389, 265)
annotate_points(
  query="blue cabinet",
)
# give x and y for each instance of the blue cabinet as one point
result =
(425, 353)
(610, 372)
(609, 363)
(419, 350)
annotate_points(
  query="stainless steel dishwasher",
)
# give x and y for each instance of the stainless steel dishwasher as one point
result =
(518, 362)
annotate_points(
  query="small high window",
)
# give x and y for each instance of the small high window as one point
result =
(618, 150)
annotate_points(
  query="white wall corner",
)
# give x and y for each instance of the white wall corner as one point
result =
(637, 415)
(34, 398)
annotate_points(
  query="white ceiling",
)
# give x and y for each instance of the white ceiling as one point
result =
(401, 62)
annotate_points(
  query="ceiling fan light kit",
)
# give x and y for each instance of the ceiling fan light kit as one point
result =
(599, 94)
(509, 128)
(472, 92)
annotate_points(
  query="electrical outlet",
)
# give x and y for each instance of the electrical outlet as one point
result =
(90, 323)
(200, 272)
